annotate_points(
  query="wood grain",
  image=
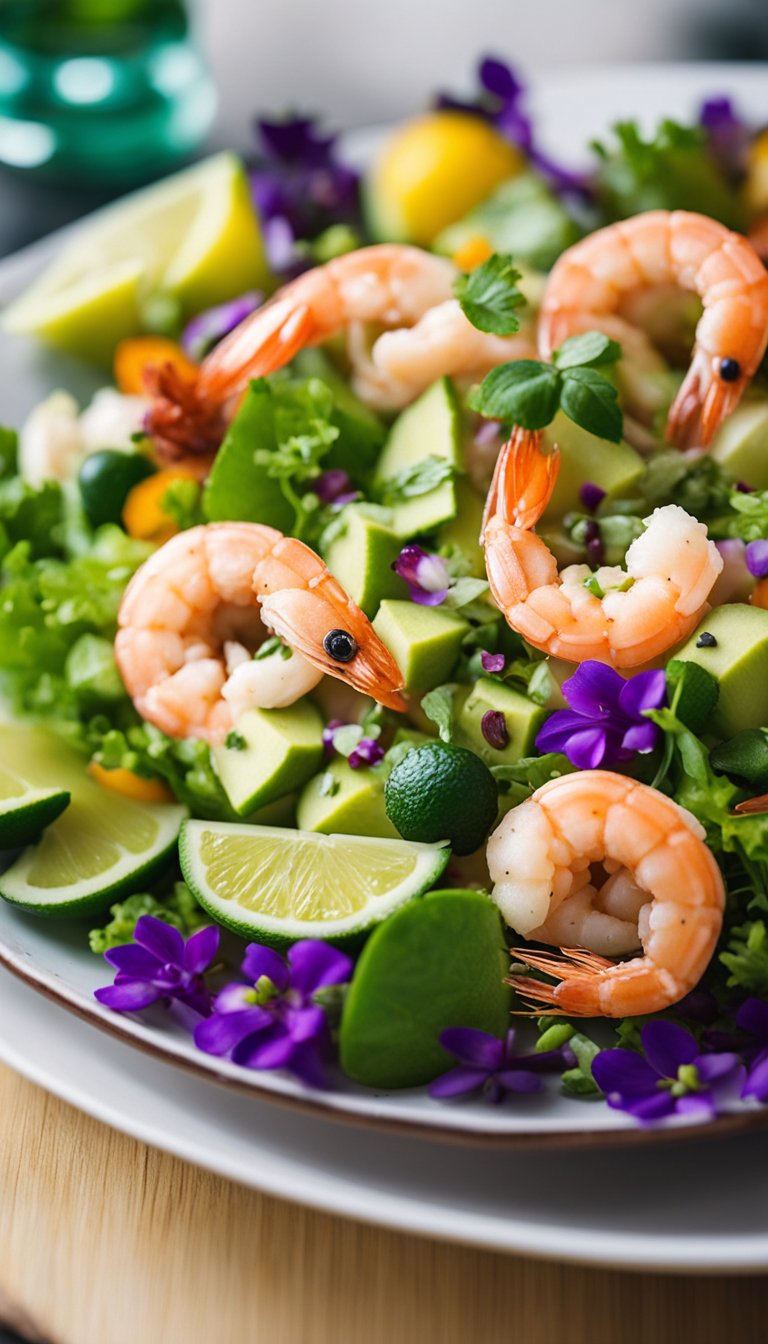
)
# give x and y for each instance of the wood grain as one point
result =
(106, 1241)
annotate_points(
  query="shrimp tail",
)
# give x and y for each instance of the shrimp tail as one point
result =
(752, 806)
(265, 342)
(702, 404)
(523, 480)
(180, 422)
(579, 973)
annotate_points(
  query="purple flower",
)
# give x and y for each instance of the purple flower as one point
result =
(274, 1021)
(492, 662)
(367, 752)
(752, 1020)
(159, 965)
(593, 541)
(208, 328)
(606, 723)
(728, 136)
(756, 556)
(425, 573)
(672, 1078)
(299, 187)
(591, 495)
(329, 732)
(489, 1065)
(334, 487)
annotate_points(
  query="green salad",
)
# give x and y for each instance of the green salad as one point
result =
(398, 609)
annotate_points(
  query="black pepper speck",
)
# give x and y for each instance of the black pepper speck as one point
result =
(706, 641)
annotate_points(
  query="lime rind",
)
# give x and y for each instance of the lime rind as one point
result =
(22, 819)
(293, 884)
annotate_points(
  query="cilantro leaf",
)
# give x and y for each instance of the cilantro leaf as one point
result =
(525, 392)
(590, 350)
(693, 691)
(592, 402)
(746, 957)
(489, 296)
(417, 478)
(438, 707)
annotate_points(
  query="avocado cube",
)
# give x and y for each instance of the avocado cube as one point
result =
(739, 661)
(615, 467)
(423, 641)
(431, 427)
(522, 717)
(361, 558)
(271, 752)
(741, 444)
(464, 530)
(343, 801)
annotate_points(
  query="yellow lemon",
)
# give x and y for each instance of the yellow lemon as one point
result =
(432, 172)
(756, 185)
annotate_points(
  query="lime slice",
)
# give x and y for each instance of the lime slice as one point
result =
(194, 236)
(102, 846)
(282, 885)
(25, 811)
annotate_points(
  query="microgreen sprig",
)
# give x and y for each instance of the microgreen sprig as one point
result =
(489, 296)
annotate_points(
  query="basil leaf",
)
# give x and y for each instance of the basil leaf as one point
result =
(489, 296)
(525, 392)
(591, 350)
(592, 402)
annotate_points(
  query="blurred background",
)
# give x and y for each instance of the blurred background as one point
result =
(140, 84)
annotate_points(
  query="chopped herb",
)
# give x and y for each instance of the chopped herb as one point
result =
(489, 296)
(273, 645)
(235, 741)
(438, 706)
(418, 478)
(591, 350)
(329, 786)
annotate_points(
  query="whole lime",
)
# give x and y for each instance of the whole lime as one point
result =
(442, 792)
(106, 479)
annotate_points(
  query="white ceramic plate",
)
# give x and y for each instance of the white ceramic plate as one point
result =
(54, 957)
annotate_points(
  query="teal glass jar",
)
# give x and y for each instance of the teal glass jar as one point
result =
(100, 92)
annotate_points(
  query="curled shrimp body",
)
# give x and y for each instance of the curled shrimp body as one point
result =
(389, 285)
(657, 887)
(652, 604)
(193, 613)
(590, 281)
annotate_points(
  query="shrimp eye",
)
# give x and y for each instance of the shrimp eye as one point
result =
(340, 646)
(730, 370)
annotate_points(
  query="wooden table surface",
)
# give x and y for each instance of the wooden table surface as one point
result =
(106, 1241)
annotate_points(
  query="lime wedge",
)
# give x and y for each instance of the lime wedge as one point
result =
(281, 885)
(194, 236)
(25, 811)
(102, 846)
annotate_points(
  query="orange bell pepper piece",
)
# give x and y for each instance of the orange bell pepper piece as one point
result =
(135, 354)
(143, 517)
(131, 785)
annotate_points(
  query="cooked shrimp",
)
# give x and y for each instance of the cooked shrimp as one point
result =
(645, 609)
(664, 893)
(591, 280)
(197, 607)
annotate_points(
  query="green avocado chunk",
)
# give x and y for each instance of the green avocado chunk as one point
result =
(424, 641)
(431, 427)
(438, 962)
(343, 801)
(361, 558)
(464, 530)
(270, 753)
(522, 717)
(615, 467)
(739, 661)
(741, 444)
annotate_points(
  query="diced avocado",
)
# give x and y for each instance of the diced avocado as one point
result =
(615, 467)
(739, 661)
(464, 530)
(271, 752)
(522, 717)
(361, 558)
(741, 444)
(342, 801)
(429, 428)
(361, 432)
(424, 642)
(522, 217)
(237, 490)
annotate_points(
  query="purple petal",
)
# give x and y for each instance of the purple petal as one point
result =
(479, 1049)
(425, 598)
(623, 1073)
(367, 752)
(271, 1049)
(556, 732)
(307, 1064)
(457, 1081)
(423, 571)
(220, 1033)
(591, 495)
(647, 1109)
(128, 997)
(331, 484)
(305, 1024)
(492, 662)
(279, 242)
(641, 738)
(756, 556)
(519, 1080)
(208, 328)
(499, 79)
(201, 949)
(695, 1106)
(234, 998)
(718, 1070)
(161, 939)
(753, 1017)
(315, 963)
(757, 1079)
(593, 689)
(588, 749)
(667, 1046)
(264, 961)
(135, 961)
(646, 690)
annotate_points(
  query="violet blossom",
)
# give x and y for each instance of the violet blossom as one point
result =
(205, 330)
(728, 136)
(160, 966)
(752, 1020)
(756, 556)
(492, 662)
(367, 752)
(591, 495)
(489, 1065)
(673, 1077)
(274, 1021)
(605, 723)
(334, 487)
(425, 573)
